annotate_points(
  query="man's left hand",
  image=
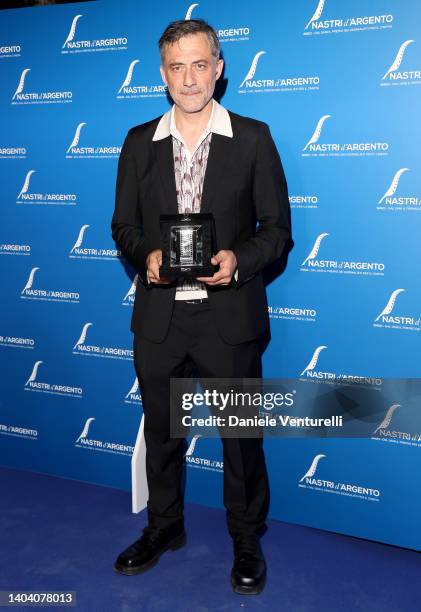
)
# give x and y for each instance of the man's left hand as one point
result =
(227, 266)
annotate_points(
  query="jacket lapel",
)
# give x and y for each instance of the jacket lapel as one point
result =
(165, 163)
(219, 159)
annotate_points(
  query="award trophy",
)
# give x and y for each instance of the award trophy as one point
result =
(188, 244)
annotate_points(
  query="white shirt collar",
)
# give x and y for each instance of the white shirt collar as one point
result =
(219, 123)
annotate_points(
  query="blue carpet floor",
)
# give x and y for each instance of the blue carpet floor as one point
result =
(59, 534)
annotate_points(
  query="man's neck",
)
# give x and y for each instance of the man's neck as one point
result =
(192, 123)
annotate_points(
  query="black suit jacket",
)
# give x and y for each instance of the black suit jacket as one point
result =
(244, 184)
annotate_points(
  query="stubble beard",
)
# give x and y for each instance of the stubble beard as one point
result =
(193, 105)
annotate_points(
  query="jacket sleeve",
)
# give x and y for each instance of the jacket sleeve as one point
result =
(270, 198)
(126, 224)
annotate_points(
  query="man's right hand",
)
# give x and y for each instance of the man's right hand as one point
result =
(153, 263)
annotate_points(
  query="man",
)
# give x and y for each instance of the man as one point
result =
(199, 157)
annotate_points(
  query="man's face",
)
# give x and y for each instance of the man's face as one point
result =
(190, 70)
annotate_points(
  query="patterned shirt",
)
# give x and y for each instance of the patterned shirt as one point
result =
(190, 168)
(189, 177)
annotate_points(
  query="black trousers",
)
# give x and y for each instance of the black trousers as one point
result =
(192, 343)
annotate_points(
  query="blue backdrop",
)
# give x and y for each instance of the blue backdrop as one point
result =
(339, 85)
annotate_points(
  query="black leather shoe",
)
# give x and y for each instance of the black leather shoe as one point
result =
(248, 575)
(146, 551)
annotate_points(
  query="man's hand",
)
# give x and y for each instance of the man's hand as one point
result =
(227, 266)
(153, 263)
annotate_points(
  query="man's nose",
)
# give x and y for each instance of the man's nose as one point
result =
(189, 77)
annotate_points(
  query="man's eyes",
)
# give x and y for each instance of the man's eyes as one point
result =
(200, 66)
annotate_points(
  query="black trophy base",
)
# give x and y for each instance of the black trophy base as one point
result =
(186, 272)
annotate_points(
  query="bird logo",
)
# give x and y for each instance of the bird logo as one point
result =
(192, 445)
(134, 389)
(26, 183)
(394, 184)
(388, 417)
(313, 361)
(72, 30)
(253, 67)
(21, 82)
(313, 467)
(189, 11)
(76, 137)
(85, 429)
(34, 372)
(129, 75)
(316, 134)
(30, 280)
(398, 59)
(390, 304)
(132, 289)
(315, 249)
(82, 335)
(80, 237)
(317, 13)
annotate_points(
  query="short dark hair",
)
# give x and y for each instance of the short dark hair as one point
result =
(184, 27)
